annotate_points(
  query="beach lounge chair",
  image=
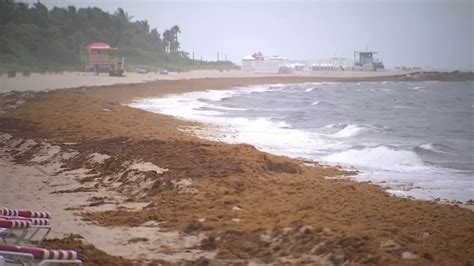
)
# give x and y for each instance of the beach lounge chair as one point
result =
(37, 225)
(39, 221)
(7, 227)
(38, 256)
(24, 213)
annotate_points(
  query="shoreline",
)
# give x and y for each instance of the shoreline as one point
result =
(231, 199)
(213, 132)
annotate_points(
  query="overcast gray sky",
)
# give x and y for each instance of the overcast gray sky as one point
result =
(434, 33)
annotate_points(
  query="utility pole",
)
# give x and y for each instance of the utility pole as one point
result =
(193, 57)
(226, 57)
(217, 56)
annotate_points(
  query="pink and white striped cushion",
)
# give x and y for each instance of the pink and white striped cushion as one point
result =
(24, 213)
(34, 221)
(41, 253)
(15, 224)
(60, 255)
(39, 221)
(34, 214)
(9, 212)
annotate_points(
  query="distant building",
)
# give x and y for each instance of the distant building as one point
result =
(248, 63)
(270, 64)
(258, 56)
(278, 64)
(260, 64)
(331, 64)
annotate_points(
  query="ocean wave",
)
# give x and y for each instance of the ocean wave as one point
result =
(272, 135)
(438, 148)
(381, 157)
(220, 107)
(310, 89)
(345, 130)
(418, 88)
(195, 105)
(315, 103)
(350, 131)
(259, 123)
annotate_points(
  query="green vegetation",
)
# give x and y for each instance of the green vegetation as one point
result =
(33, 38)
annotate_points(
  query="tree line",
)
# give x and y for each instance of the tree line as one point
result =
(34, 36)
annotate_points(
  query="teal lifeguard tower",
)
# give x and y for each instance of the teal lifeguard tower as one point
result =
(364, 58)
(367, 59)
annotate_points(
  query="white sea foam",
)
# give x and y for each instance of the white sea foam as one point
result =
(220, 107)
(309, 90)
(381, 157)
(315, 103)
(273, 136)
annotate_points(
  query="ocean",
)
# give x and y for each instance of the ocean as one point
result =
(413, 138)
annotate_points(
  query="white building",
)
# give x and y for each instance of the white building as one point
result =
(270, 64)
(331, 64)
(248, 63)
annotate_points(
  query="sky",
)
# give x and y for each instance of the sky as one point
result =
(425, 33)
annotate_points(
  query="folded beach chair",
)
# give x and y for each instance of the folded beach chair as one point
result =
(38, 256)
(7, 227)
(39, 221)
(37, 224)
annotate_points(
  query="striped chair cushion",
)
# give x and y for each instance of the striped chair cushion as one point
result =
(39, 221)
(34, 221)
(15, 224)
(41, 253)
(24, 213)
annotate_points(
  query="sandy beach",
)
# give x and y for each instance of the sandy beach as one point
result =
(47, 81)
(126, 186)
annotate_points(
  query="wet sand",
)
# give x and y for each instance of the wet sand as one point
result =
(134, 184)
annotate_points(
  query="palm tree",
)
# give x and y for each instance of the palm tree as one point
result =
(144, 25)
(167, 39)
(123, 15)
(175, 43)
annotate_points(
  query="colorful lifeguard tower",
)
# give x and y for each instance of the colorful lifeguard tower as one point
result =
(366, 60)
(103, 59)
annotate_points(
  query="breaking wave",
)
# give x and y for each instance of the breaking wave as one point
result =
(438, 148)
(350, 130)
(381, 157)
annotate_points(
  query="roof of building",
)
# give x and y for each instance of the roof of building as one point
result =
(277, 57)
(365, 52)
(100, 46)
(248, 57)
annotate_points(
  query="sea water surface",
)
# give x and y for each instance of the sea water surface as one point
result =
(413, 138)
